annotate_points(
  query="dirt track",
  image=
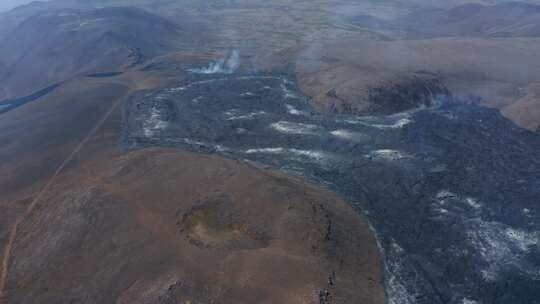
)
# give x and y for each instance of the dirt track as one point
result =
(13, 233)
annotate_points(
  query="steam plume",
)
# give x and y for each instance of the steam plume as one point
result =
(226, 65)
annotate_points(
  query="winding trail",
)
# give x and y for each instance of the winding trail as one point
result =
(35, 201)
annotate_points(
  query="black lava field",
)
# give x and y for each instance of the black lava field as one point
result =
(451, 190)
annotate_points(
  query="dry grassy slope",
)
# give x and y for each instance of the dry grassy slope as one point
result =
(504, 72)
(514, 19)
(160, 225)
(325, 53)
(53, 46)
(39, 136)
(317, 42)
(503, 20)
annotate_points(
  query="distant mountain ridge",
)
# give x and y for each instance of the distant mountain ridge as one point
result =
(80, 41)
(510, 19)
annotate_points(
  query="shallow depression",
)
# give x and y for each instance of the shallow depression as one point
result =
(391, 168)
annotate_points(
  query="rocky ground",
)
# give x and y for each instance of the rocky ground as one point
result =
(381, 103)
(424, 178)
(342, 52)
(84, 220)
(162, 226)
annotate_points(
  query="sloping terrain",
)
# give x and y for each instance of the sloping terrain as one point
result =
(83, 221)
(381, 102)
(39, 137)
(484, 62)
(161, 226)
(53, 46)
(500, 73)
(451, 189)
(509, 19)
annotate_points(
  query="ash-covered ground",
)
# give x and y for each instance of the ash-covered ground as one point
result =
(452, 190)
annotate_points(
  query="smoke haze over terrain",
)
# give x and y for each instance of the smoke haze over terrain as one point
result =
(270, 151)
(6, 5)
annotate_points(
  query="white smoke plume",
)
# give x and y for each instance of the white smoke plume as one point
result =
(227, 65)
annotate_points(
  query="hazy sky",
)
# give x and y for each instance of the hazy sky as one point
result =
(9, 4)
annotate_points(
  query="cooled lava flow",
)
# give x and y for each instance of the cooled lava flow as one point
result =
(450, 189)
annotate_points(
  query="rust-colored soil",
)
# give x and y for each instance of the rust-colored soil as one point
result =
(94, 224)
(162, 226)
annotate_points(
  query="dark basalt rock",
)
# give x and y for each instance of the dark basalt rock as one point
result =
(452, 189)
(103, 74)
(390, 96)
(10, 104)
(402, 96)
